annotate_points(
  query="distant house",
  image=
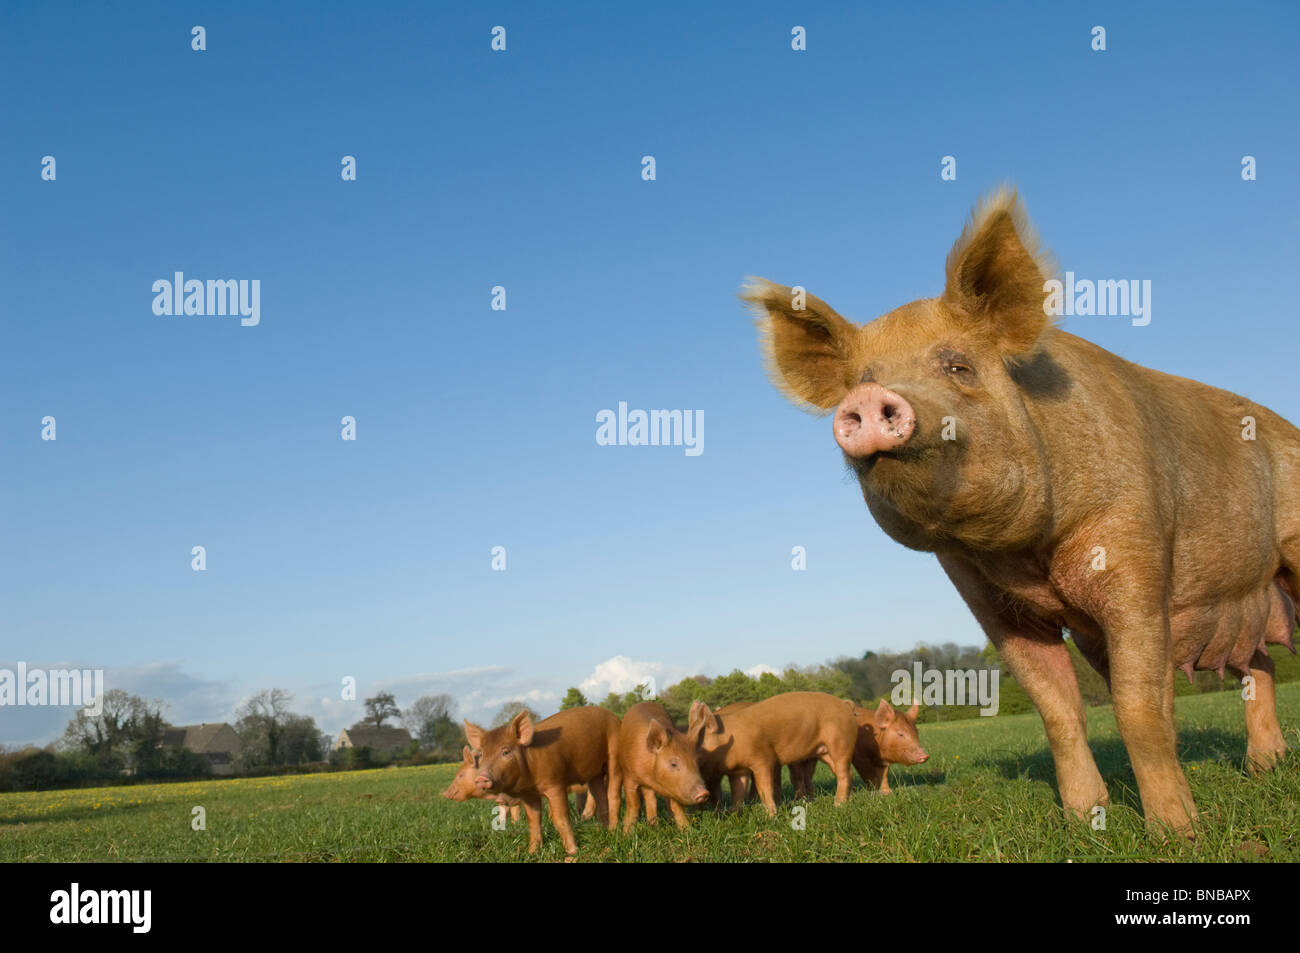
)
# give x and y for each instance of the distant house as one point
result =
(217, 743)
(387, 740)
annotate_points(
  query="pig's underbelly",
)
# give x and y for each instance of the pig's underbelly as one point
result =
(1211, 634)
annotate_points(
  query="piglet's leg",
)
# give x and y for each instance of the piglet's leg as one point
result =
(533, 808)
(631, 794)
(558, 798)
(651, 806)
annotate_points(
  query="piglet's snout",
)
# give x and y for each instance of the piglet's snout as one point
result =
(871, 419)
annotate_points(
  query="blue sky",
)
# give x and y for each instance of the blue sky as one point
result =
(476, 428)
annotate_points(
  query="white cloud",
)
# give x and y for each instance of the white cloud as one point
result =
(757, 670)
(621, 674)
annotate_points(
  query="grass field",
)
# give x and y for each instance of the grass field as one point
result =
(987, 793)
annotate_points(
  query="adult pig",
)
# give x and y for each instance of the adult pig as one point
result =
(1156, 518)
(783, 729)
(657, 759)
(532, 762)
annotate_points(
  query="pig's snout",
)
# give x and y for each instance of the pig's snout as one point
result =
(872, 418)
(701, 795)
(483, 782)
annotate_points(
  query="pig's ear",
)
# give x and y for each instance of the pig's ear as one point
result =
(474, 734)
(467, 754)
(913, 712)
(701, 717)
(655, 737)
(884, 714)
(996, 271)
(808, 348)
(522, 726)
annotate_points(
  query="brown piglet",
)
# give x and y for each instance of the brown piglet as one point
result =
(885, 737)
(783, 729)
(532, 762)
(657, 759)
(463, 788)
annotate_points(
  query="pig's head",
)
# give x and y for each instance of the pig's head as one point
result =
(890, 735)
(462, 786)
(502, 765)
(929, 399)
(674, 769)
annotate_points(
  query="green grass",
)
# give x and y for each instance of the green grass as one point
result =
(987, 793)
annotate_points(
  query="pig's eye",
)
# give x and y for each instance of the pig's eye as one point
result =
(955, 364)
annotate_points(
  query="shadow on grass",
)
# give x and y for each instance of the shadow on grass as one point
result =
(1194, 745)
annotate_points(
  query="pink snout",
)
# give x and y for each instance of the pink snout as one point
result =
(871, 419)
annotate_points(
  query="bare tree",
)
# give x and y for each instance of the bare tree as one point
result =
(260, 725)
(382, 706)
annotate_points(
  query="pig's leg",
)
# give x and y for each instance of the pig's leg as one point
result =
(597, 805)
(809, 772)
(533, 808)
(558, 797)
(631, 794)
(763, 781)
(1264, 743)
(614, 781)
(1142, 684)
(884, 779)
(843, 769)
(651, 806)
(1038, 658)
(739, 783)
(514, 813)
(679, 814)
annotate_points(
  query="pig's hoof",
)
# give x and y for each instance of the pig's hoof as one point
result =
(1262, 760)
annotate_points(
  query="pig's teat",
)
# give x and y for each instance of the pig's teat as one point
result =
(871, 419)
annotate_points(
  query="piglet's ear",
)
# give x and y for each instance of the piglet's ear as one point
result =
(996, 273)
(474, 734)
(522, 726)
(884, 714)
(655, 737)
(809, 349)
(701, 717)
